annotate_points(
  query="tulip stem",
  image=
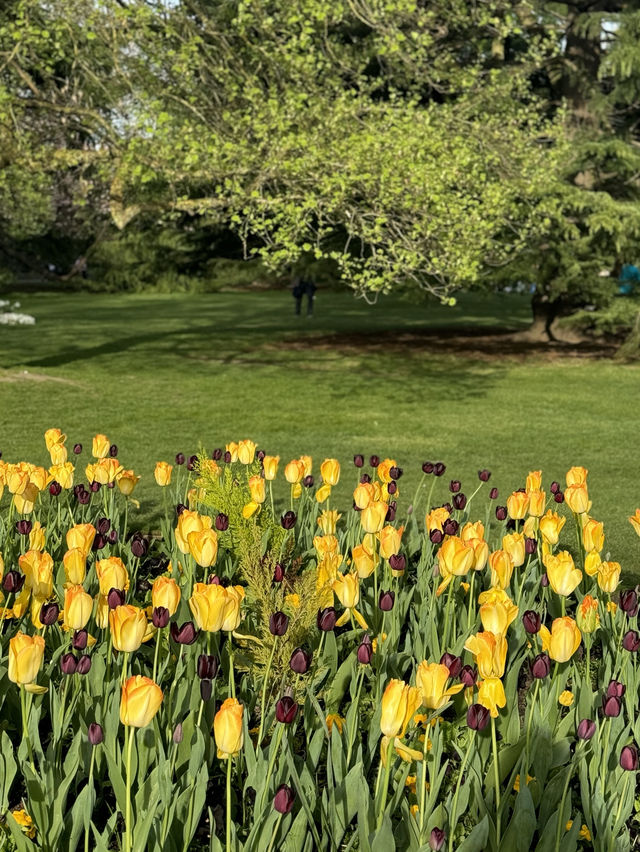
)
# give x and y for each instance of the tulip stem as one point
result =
(385, 783)
(454, 808)
(414, 502)
(447, 618)
(496, 776)
(274, 753)
(423, 785)
(354, 726)
(232, 680)
(275, 832)
(471, 601)
(127, 822)
(25, 725)
(605, 753)
(561, 810)
(264, 692)
(620, 803)
(529, 720)
(90, 786)
(229, 768)
(155, 655)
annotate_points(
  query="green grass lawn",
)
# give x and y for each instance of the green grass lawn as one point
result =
(161, 373)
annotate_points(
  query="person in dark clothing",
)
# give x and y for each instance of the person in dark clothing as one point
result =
(304, 286)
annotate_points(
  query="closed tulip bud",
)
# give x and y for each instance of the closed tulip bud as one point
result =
(544, 581)
(80, 639)
(278, 623)
(216, 455)
(300, 661)
(399, 703)
(586, 729)
(99, 542)
(185, 635)
(616, 689)
(278, 573)
(517, 505)
(115, 597)
(286, 710)
(392, 488)
(493, 494)
(113, 451)
(459, 501)
(530, 546)
(78, 606)
(501, 513)
(374, 461)
(284, 799)
(358, 460)
(611, 706)
(288, 520)
(205, 689)
(128, 626)
(437, 839)
(180, 508)
(83, 496)
(453, 663)
(112, 538)
(77, 449)
(395, 472)
(564, 577)
(95, 734)
(391, 514)
(140, 701)
(531, 621)
(436, 536)
(386, 600)
(25, 657)
(13, 582)
(454, 486)
(84, 665)
(484, 475)
(541, 666)
(68, 664)
(24, 527)
(222, 522)
(308, 481)
(468, 676)
(160, 617)
(629, 758)
(631, 641)
(49, 613)
(326, 619)
(103, 525)
(478, 717)
(162, 473)
(165, 592)
(365, 650)
(180, 458)
(450, 526)
(55, 488)
(439, 468)
(192, 462)
(427, 467)
(629, 602)
(397, 562)
(177, 734)
(208, 666)
(227, 457)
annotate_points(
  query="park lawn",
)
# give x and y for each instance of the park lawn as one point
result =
(166, 373)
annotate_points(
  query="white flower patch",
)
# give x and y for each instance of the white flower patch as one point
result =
(12, 316)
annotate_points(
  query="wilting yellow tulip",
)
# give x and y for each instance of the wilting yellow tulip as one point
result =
(435, 519)
(592, 562)
(37, 568)
(328, 521)
(53, 437)
(165, 592)
(496, 616)
(100, 447)
(322, 493)
(634, 520)
(63, 474)
(246, 451)
(537, 502)
(530, 527)
(203, 546)
(126, 480)
(75, 566)
(17, 477)
(77, 607)
(470, 531)
(490, 653)
(390, 540)
(551, 524)
(162, 473)
(431, 680)
(188, 522)
(25, 501)
(128, 626)
(25, 658)
(587, 616)
(491, 695)
(577, 476)
(563, 640)
(577, 498)
(593, 535)
(257, 488)
(37, 537)
(112, 574)
(270, 467)
(362, 559)
(517, 505)
(534, 481)
(383, 470)
(294, 471)
(330, 471)
(140, 700)
(609, 576)
(399, 702)
(373, 517)
(513, 544)
(564, 577)
(324, 544)
(501, 565)
(81, 536)
(228, 728)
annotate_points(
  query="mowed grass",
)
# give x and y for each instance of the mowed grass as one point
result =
(159, 374)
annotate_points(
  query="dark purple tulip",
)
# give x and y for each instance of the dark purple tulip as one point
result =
(629, 758)
(397, 562)
(554, 487)
(629, 602)
(84, 665)
(185, 635)
(365, 478)
(374, 461)
(453, 663)
(68, 664)
(180, 458)
(278, 623)
(216, 455)
(439, 468)
(365, 650)
(459, 501)
(611, 706)
(99, 542)
(484, 475)
(13, 582)
(288, 520)
(559, 497)
(205, 689)
(95, 734)
(427, 467)
(448, 507)
(227, 457)
(450, 526)
(116, 597)
(160, 617)
(139, 546)
(93, 486)
(437, 839)
(284, 799)
(391, 514)
(477, 717)
(544, 580)
(327, 618)
(468, 676)
(358, 460)
(214, 580)
(454, 486)
(286, 710)
(103, 525)
(386, 600)
(300, 661)
(541, 666)
(493, 494)
(112, 538)
(208, 666)
(113, 451)
(278, 573)
(260, 454)
(49, 613)
(436, 536)
(222, 522)
(77, 449)
(392, 488)
(24, 527)
(532, 621)
(308, 481)
(530, 546)
(83, 497)
(180, 508)
(631, 641)
(501, 513)
(395, 472)
(192, 462)
(55, 488)
(586, 729)
(616, 689)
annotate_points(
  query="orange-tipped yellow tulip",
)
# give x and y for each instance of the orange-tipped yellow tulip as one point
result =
(257, 487)
(517, 505)
(491, 695)
(63, 474)
(37, 568)
(577, 476)
(435, 519)
(330, 471)
(563, 640)
(534, 481)
(399, 702)
(390, 541)
(373, 517)
(162, 473)
(100, 447)
(593, 535)
(431, 680)
(513, 544)
(228, 728)
(383, 470)
(203, 546)
(325, 544)
(551, 524)
(165, 592)
(577, 498)
(78, 605)
(294, 471)
(112, 574)
(140, 700)
(81, 536)
(501, 565)
(37, 537)
(564, 577)
(609, 576)
(270, 467)
(587, 617)
(328, 521)
(246, 451)
(128, 626)
(188, 522)
(537, 502)
(490, 653)
(25, 658)
(105, 471)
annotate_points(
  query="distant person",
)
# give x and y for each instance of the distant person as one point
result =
(628, 279)
(304, 286)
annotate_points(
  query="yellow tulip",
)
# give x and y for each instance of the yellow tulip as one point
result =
(214, 607)
(491, 695)
(347, 590)
(232, 612)
(246, 451)
(126, 481)
(587, 616)
(513, 544)
(81, 536)
(609, 576)
(328, 521)
(592, 562)
(577, 476)
(25, 501)
(17, 477)
(203, 546)
(530, 527)
(77, 607)
(188, 522)
(140, 700)
(435, 519)
(517, 505)
(490, 653)
(537, 502)
(324, 544)
(373, 517)
(480, 552)
(37, 568)
(383, 470)
(37, 539)
(162, 473)
(294, 471)
(363, 494)
(577, 498)
(307, 463)
(75, 566)
(112, 574)
(330, 471)
(257, 487)
(431, 680)
(165, 592)
(128, 625)
(102, 612)
(362, 559)
(455, 557)
(496, 616)
(534, 481)
(399, 702)
(270, 467)
(25, 658)
(593, 535)
(322, 493)
(53, 437)
(564, 577)
(634, 520)
(470, 531)
(228, 728)
(100, 447)
(501, 565)
(232, 449)
(551, 525)
(63, 474)
(562, 641)
(390, 541)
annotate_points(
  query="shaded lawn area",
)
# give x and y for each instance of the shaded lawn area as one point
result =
(162, 373)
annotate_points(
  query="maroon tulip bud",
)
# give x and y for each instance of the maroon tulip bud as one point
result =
(94, 487)
(180, 508)
(541, 666)
(208, 666)
(427, 467)
(555, 487)
(116, 597)
(493, 494)
(222, 522)
(374, 461)
(629, 602)
(559, 497)
(468, 676)
(450, 526)
(278, 623)
(288, 520)
(391, 515)
(68, 664)
(216, 455)
(139, 546)
(192, 462)
(205, 689)
(308, 481)
(103, 525)
(365, 650)
(13, 582)
(397, 562)
(185, 635)
(631, 641)
(616, 689)
(365, 478)
(454, 486)
(530, 546)
(278, 573)
(439, 468)
(484, 475)
(49, 613)
(84, 665)
(55, 488)
(453, 663)
(227, 457)
(358, 460)
(392, 488)
(326, 619)
(611, 706)
(77, 449)
(629, 758)
(532, 621)
(160, 617)
(99, 542)
(80, 639)
(112, 538)
(386, 600)
(586, 729)
(214, 580)
(284, 799)
(501, 513)
(180, 458)
(95, 734)
(477, 717)
(260, 454)
(448, 507)
(459, 501)
(286, 710)
(395, 472)
(300, 661)
(544, 580)
(436, 536)
(437, 839)
(24, 527)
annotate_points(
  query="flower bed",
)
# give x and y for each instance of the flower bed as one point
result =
(270, 671)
